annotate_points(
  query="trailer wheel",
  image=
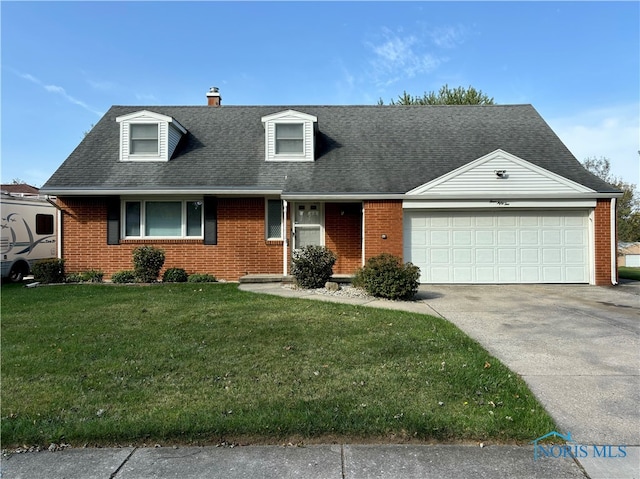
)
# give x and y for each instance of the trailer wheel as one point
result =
(18, 272)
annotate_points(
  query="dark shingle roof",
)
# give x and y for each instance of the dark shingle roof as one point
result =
(360, 149)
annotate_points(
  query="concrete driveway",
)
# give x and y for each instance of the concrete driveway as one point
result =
(577, 347)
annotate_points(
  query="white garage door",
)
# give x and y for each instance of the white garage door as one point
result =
(498, 247)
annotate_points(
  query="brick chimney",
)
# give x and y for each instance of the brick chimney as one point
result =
(213, 96)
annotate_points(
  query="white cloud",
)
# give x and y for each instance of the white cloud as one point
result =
(59, 91)
(400, 56)
(448, 37)
(613, 133)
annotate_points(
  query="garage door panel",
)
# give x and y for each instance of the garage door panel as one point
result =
(529, 256)
(485, 238)
(499, 247)
(506, 238)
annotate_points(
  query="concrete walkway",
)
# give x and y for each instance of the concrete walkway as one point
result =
(576, 346)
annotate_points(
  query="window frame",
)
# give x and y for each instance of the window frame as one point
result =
(149, 154)
(267, 224)
(142, 224)
(290, 140)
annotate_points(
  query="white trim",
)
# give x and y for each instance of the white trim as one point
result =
(285, 243)
(183, 218)
(498, 204)
(152, 115)
(289, 115)
(363, 236)
(614, 250)
(164, 191)
(592, 246)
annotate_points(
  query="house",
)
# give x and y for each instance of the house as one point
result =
(20, 189)
(629, 254)
(470, 194)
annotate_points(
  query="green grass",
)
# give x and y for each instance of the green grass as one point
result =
(629, 273)
(184, 363)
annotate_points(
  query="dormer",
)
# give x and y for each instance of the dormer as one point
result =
(290, 136)
(148, 136)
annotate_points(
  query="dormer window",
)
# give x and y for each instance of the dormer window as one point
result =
(148, 136)
(290, 136)
(144, 139)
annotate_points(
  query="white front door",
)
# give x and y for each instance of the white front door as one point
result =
(308, 221)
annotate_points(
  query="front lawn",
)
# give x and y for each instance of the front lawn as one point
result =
(185, 363)
(626, 272)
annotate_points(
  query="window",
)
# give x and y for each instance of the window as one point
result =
(274, 219)
(163, 219)
(44, 224)
(289, 138)
(144, 138)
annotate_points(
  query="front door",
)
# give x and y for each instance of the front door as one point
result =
(307, 225)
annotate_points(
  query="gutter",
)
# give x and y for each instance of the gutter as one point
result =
(614, 246)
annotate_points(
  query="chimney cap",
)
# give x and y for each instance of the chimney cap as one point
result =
(213, 91)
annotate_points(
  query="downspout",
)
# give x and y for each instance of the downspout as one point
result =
(614, 245)
(362, 235)
(285, 243)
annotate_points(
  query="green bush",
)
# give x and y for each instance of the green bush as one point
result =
(312, 266)
(48, 270)
(91, 276)
(147, 263)
(123, 277)
(202, 278)
(175, 275)
(385, 276)
(73, 278)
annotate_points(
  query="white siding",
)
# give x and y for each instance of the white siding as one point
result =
(174, 138)
(479, 177)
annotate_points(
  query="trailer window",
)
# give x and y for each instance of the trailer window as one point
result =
(44, 224)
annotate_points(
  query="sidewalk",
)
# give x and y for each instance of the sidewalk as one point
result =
(277, 462)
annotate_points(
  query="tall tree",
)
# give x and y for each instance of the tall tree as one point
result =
(628, 207)
(446, 96)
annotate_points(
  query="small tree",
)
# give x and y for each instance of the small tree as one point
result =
(147, 263)
(312, 266)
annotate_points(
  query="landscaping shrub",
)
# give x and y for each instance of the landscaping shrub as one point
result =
(123, 277)
(49, 270)
(92, 276)
(73, 278)
(175, 275)
(312, 266)
(202, 278)
(147, 263)
(385, 276)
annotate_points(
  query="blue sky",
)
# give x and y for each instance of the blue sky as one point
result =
(65, 63)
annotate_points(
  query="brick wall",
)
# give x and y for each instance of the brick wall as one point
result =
(241, 249)
(383, 217)
(343, 235)
(602, 228)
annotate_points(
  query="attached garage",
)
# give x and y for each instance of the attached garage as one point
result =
(498, 246)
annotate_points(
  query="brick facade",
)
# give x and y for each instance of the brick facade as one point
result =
(602, 247)
(343, 235)
(242, 248)
(383, 228)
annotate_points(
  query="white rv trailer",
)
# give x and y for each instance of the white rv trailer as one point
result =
(29, 233)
